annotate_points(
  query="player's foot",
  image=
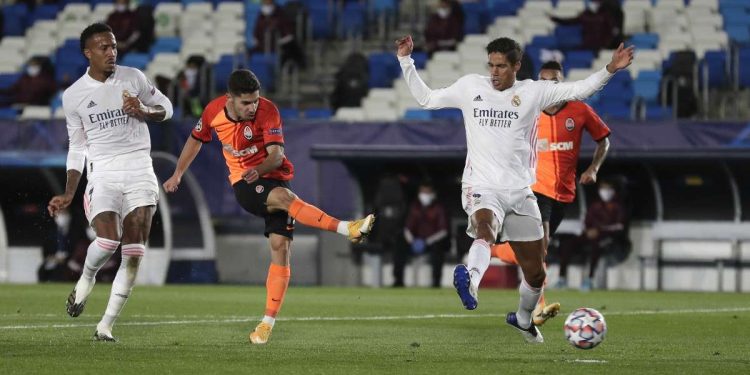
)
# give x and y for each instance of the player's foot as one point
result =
(542, 313)
(530, 334)
(359, 229)
(78, 297)
(103, 333)
(261, 334)
(466, 291)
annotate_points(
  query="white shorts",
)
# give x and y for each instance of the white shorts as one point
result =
(120, 192)
(516, 212)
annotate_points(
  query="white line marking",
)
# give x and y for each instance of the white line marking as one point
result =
(242, 319)
(588, 361)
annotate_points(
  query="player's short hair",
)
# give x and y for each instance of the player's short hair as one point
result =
(242, 81)
(552, 65)
(508, 47)
(91, 30)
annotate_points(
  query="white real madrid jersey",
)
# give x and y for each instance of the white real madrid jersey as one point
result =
(99, 130)
(500, 125)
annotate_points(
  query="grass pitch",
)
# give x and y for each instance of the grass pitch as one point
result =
(203, 330)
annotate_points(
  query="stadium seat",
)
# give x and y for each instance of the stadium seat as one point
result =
(646, 86)
(383, 68)
(318, 113)
(15, 18)
(744, 67)
(166, 44)
(420, 60)
(44, 12)
(136, 60)
(352, 20)
(569, 37)
(8, 113)
(451, 114)
(656, 112)
(614, 110)
(321, 21)
(288, 113)
(474, 17)
(221, 71)
(577, 59)
(715, 65)
(644, 40)
(740, 34)
(263, 65)
(8, 79)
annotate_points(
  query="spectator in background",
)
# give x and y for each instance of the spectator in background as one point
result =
(35, 87)
(427, 230)
(273, 30)
(123, 23)
(445, 28)
(351, 82)
(143, 36)
(599, 23)
(390, 209)
(193, 85)
(604, 226)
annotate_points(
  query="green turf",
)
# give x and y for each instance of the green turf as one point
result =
(203, 330)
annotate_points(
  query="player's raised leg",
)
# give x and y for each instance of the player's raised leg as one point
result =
(309, 215)
(136, 229)
(277, 284)
(106, 225)
(466, 278)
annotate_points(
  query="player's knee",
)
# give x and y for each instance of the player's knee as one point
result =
(281, 198)
(485, 232)
(280, 244)
(536, 277)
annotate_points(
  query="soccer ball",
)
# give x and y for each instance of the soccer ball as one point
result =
(585, 328)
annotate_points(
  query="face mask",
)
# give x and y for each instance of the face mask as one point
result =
(63, 220)
(120, 8)
(426, 198)
(33, 70)
(593, 6)
(266, 10)
(443, 12)
(606, 194)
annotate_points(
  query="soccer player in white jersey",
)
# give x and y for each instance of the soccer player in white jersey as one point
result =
(500, 116)
(105, 111)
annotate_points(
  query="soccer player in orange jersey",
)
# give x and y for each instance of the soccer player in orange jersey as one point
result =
(560, 129)
(249, 128)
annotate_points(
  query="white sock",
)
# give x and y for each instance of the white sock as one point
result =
(97, 254)
(343, 228)
(269, 320)
(529, 299)
(123, 283)
(478, 260)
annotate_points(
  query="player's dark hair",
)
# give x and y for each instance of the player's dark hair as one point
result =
(91, 30)
(552, 65)
(242, 81)
(508, 47)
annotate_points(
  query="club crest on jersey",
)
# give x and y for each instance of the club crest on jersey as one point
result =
(259, 189)
(199, 125)
(516, 101)
(248, 133)
(570, 124)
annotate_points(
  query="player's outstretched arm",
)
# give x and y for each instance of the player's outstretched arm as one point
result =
(426, 97)
(62, 201)
(188, 154)
(621, 58)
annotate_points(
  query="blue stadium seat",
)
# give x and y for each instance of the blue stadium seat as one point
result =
(450, 113)
(352, 20)
(613, 110)
(288, 113)
(577, 59)
(136, 60)
(321, 19)
(15, 19)
(417, 114)
(252, 10)
(8, 113)
(740, 34)
(383, 6)
(656, 112)
(647, 85)
(420, 59)
(475, 18)
(166, 44)
(318, 113)
(644, 41)
(263, 66)
(221, 71)
(544, 41)
(498, 8)
(716, 64)
(569, 36)
(744, 67)
(8, 79)
(44, 12)
(383, 68)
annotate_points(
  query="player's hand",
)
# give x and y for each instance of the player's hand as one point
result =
(588, 177)
(405, 46)
(58, 203)
(132, 106)
(171, 185)
(250, 176)
(621, 58)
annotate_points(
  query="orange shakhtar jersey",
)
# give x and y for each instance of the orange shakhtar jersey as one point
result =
(558, 145)
(245, 142)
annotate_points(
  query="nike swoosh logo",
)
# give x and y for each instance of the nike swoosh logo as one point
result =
(275, 300)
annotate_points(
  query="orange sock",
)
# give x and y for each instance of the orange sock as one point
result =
(276, 286)
(504, 252)
(312, 216)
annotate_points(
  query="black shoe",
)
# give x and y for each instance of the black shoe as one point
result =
(74, 309)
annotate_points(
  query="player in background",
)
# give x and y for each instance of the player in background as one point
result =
(249, 128)
(500, 121)
(560, 129)
(105, 112)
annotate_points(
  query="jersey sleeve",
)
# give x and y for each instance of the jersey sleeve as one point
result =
(449, 97)
(76, 138)
(151, 96)
(594, 124)
(202, 130)
(272, 131)
(552, 92)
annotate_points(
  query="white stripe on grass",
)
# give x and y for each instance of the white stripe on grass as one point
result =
(239, 319)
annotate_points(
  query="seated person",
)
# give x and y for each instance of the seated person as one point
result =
(445, 28)
(35, 87)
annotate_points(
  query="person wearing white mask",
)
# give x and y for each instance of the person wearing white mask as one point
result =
(445, 28)
(427, 230)
(601, 24)
(605, 224)
(35, 87)
(274, 33)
